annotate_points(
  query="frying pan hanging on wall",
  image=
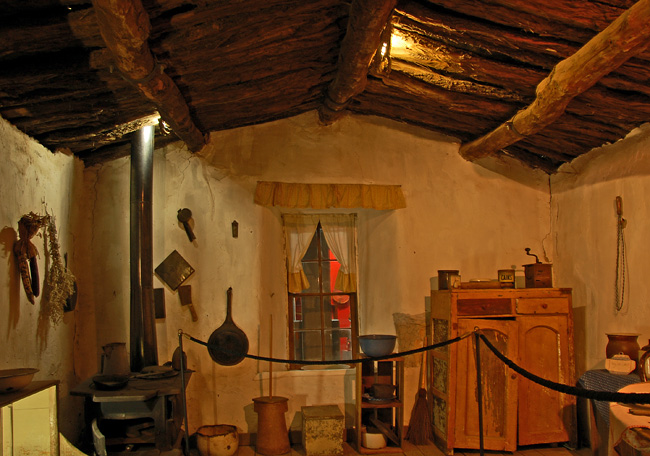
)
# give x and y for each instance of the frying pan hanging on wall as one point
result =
(228, 344)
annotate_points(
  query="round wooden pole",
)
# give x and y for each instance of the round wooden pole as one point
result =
(271, 356)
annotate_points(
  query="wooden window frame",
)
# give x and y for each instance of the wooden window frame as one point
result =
(354, 325)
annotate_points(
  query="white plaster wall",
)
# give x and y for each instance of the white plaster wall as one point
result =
(459, 215)
(33, 179)
(585, 227)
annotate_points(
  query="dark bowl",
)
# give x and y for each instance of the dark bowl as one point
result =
(110, 381)
(375, 345)
(382, 391)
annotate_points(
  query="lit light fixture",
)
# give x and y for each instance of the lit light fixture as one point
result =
(380, 64)
(384, 49)
(165, 128)
(400, 47)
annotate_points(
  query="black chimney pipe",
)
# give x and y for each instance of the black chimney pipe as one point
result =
(143, 346)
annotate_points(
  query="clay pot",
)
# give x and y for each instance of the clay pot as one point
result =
(217, 440)
(625, 343)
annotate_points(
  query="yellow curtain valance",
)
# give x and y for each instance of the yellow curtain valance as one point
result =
(323, 196)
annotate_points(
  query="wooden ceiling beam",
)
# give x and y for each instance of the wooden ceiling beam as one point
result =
(625, 37)
(125, 28)
(367, 20)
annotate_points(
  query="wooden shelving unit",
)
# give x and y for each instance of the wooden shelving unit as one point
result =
(390, 413)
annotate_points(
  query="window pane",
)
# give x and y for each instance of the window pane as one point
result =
(311, 271)
(307, 345)
(341, 308)
(329, 314)
(328, 281)
(312, 251)
(323, 243)
(322, 328)
(311, 317)
(296, 306)
(339, 344)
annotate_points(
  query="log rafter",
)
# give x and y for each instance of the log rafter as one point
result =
(125, 28)
(367, 20)
(625, 37)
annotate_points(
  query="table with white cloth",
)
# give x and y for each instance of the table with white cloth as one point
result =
(629, 433)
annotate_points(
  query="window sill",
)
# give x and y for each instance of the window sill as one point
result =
(309, 372)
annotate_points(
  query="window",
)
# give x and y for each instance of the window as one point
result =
(322, 290)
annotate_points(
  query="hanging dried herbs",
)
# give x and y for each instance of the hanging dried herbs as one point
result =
(59, 282)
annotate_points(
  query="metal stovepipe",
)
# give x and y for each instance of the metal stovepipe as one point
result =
(143, 347)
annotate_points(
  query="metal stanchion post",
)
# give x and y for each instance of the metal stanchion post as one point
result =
(182, 364)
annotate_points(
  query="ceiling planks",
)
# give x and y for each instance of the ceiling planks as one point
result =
(459, 68)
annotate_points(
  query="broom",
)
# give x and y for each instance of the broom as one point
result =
(420, 431)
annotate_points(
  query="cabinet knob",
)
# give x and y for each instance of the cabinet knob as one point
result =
(544, 306)
(513, 376)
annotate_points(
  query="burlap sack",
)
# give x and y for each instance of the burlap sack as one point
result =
(411, 334)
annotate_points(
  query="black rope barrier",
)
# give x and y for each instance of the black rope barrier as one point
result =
(605, 396)
(343, 361)
(627, 398)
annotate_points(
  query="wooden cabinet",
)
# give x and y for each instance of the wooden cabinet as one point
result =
(29, 420)
(388, 412)
(533, 328)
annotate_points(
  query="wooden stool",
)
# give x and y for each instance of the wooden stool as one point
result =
(272, 434)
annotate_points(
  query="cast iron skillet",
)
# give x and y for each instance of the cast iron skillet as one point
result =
(228, 344)
(110, 381)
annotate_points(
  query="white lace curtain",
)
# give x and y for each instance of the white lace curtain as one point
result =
(340, 234)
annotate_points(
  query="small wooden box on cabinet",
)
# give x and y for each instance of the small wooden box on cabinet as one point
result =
(533, 328)
(388, 412)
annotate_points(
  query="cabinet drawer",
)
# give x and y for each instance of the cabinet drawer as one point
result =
(494, 306)
(542, 305)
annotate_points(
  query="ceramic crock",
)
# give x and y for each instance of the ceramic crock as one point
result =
(625, 343)
(217, 440)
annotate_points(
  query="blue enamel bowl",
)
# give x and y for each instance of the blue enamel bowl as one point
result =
(375, 345)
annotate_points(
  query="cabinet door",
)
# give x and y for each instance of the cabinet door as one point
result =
(499, 387)
(544, 415)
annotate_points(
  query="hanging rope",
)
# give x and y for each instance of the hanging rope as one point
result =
(619, 285)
